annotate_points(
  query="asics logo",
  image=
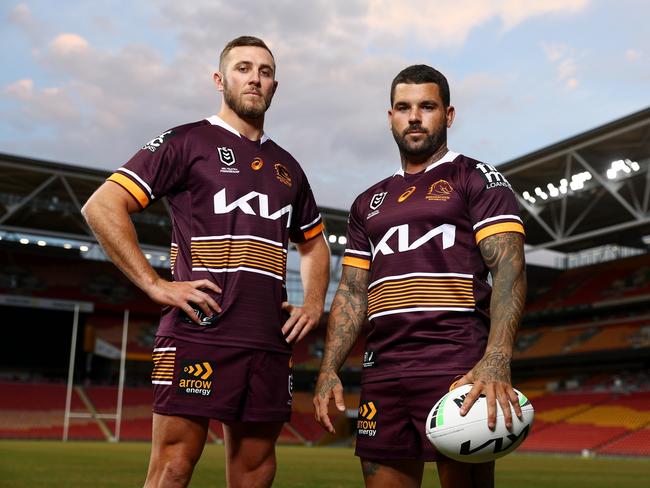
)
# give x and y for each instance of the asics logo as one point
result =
(447, 231)
(243, 204)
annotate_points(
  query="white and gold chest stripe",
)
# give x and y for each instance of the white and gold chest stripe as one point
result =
(232, 253)
(421, 292)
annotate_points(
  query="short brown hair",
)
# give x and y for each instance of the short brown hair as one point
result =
(242, 41)
(419, 74)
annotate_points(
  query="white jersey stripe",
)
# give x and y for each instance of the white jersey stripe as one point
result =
(497, 217)
(161, 349)
(426, 275)
(311, 223)
(159, 382)
(362, 253)
(240, 268)
(420, 309)
(140, 180)
(229, 236)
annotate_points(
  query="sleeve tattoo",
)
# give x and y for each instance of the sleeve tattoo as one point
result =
(347, 315)
(503, 254)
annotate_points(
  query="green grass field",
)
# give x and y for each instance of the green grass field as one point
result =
(27, 464)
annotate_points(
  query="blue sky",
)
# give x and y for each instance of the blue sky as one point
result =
(88, 83)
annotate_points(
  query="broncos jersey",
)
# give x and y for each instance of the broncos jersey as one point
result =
(234, 205)
(428, 292)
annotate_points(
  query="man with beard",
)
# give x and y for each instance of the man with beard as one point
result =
(223, 347)
(420, 246)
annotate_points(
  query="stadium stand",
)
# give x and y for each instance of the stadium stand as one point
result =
(36, 411)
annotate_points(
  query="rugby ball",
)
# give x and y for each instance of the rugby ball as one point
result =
(468, 439)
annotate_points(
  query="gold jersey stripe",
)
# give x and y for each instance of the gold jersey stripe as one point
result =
(126, 183)
(490, 230)
(225, 243)
(410, 304)
(314, 231)
(393, 287)
(238, 252)
(420, 298)
(234, 263)
(423, 293)
(425, 280)
(356, 262)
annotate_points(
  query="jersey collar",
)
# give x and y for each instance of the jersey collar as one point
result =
(216, 120)
(447, 158)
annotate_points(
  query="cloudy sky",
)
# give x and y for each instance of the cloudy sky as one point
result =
(87, 83)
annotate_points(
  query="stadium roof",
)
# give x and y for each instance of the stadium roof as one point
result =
(588, 190)
(43, 198)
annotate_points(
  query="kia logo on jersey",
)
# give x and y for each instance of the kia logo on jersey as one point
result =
(377, 199)
(243, 204)
(226, 155)
(447, 231)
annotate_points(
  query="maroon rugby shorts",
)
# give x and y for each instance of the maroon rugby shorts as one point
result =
(218, 382)
(392, 417)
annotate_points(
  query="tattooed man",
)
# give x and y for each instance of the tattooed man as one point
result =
(422, 245)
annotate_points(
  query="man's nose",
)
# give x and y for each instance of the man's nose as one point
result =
(255, 78)
(414, 116)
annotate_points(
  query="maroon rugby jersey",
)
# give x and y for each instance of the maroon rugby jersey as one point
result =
(428, 294)
(234, 205)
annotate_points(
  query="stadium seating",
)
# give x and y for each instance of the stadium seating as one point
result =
(603, 283)
(37, 411)
(605, 423)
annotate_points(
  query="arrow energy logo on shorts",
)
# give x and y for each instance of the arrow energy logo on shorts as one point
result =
(195, 378)
(366, 422)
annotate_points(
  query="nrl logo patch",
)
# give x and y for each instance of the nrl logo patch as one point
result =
(226, 155)
(377, 199)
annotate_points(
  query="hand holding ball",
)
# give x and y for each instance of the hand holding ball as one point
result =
(468, 439)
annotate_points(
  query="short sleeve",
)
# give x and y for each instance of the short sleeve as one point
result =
(154, 170)
(357, 252)
(492, 203)
(306, 221)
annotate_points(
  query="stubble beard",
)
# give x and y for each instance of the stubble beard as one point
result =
(243, 109)
(421, 149)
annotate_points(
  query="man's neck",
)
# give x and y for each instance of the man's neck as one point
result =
(415, 164)
(249, 128)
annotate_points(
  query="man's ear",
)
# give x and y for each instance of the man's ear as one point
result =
(218, 80)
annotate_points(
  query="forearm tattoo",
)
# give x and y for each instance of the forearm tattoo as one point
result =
(347, 314)
(504, 256)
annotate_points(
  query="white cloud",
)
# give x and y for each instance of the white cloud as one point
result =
(68, 44)
(449, 22)
(563, 59)
(633, 55)
(21, 89)
(330, 109)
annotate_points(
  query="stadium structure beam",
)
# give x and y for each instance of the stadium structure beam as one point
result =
(28, 198)
(646, 196)
(587, 210)
(587, 235)
(607, 186)
(534, 214)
